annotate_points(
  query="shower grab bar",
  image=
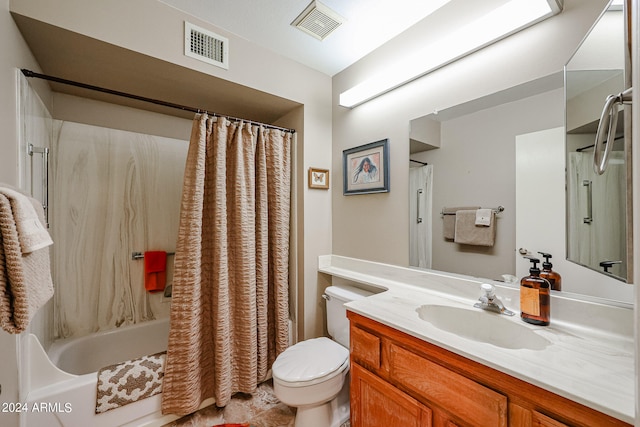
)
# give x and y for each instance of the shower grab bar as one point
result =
(418, 217)
(44, 151)
(589, 218)
(139, 255)
(496, 210)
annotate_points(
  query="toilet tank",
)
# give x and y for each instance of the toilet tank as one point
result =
(337, 322)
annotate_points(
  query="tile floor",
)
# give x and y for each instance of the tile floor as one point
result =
(262, 409)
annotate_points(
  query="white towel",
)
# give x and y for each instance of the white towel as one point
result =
(32, 234)
(483, 217)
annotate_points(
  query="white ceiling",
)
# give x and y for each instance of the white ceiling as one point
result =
(368, 25)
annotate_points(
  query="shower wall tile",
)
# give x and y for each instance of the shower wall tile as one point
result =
(114, 192)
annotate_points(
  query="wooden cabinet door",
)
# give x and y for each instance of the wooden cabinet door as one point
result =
(465, 399)
(541, 420)
(375, 403)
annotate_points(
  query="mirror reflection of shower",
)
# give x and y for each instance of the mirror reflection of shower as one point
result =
(420, 214)
(598, 217)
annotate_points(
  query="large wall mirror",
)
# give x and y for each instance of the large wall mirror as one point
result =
(598, 205)
(509, 149)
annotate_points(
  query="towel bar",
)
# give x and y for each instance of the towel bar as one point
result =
(139, 255)
(496, 210)
(44, 151)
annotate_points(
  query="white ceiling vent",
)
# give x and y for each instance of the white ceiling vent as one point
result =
(318, 20)
(206, 46)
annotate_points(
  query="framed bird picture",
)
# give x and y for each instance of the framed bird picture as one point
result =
(319, 178)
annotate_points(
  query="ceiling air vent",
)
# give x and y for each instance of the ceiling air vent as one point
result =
(206, 46)
(318, 20)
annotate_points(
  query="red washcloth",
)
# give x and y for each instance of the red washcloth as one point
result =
(155, 271)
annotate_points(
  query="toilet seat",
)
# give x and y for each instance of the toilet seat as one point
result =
(310, 362)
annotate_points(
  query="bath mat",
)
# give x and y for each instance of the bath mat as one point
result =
(128, 382)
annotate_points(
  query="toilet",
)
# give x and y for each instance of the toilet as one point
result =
(312, 375)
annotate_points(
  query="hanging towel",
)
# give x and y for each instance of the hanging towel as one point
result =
(155, 271)
(483, 217)
(449, 220)
(32, 234)
(25, 278)
(468, 233)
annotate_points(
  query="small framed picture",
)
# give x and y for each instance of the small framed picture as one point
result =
(366, 168)
(319, 178)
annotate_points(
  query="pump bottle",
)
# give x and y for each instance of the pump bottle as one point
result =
(547, 273)
(535, 297)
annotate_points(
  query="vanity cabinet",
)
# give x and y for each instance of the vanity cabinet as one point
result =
(383, 405)
(400, 380)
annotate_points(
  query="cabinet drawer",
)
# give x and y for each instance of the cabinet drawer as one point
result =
(365, 348)
(461, 397)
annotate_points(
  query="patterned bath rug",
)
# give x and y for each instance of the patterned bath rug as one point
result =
(128, 382)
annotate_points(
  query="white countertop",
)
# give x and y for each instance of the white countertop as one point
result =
(589, 358)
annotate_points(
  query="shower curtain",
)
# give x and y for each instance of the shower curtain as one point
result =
(229, 314)
(605, 237)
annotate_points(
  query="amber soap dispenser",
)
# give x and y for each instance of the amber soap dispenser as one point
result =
(535, 296)
(547, 273)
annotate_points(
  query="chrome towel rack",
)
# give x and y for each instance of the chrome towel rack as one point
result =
(135, 256)
(44, 151)
(607, 128)
(496, 210)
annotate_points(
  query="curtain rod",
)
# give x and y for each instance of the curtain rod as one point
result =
(29, 73)
(418, 161)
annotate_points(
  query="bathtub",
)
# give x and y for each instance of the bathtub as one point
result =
(62, 384)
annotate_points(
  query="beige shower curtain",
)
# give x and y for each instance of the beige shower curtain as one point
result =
(229, 310)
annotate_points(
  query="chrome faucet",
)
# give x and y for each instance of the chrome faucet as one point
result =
(490, 302)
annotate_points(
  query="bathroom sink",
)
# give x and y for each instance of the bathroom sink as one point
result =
(483, 326)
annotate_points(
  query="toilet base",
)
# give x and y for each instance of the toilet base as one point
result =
(329, 414)
(314, 416)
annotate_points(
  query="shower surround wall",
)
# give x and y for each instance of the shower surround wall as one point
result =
(115, 193)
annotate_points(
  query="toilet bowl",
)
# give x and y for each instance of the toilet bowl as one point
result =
(313, 375)
(308, 376)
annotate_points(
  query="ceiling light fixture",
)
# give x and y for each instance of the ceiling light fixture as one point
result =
(495, 25)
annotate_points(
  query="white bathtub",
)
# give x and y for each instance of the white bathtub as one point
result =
(62, 385)
(87, 354)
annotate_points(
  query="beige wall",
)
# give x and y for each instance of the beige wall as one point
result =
(539, 51)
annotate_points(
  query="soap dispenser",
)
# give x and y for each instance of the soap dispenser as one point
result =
(535, 296)
(547, 273)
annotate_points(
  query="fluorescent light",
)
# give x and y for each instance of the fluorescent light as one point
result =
(495, 25)
(616, 5)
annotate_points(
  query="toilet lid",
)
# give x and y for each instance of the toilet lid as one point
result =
(309, 360)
